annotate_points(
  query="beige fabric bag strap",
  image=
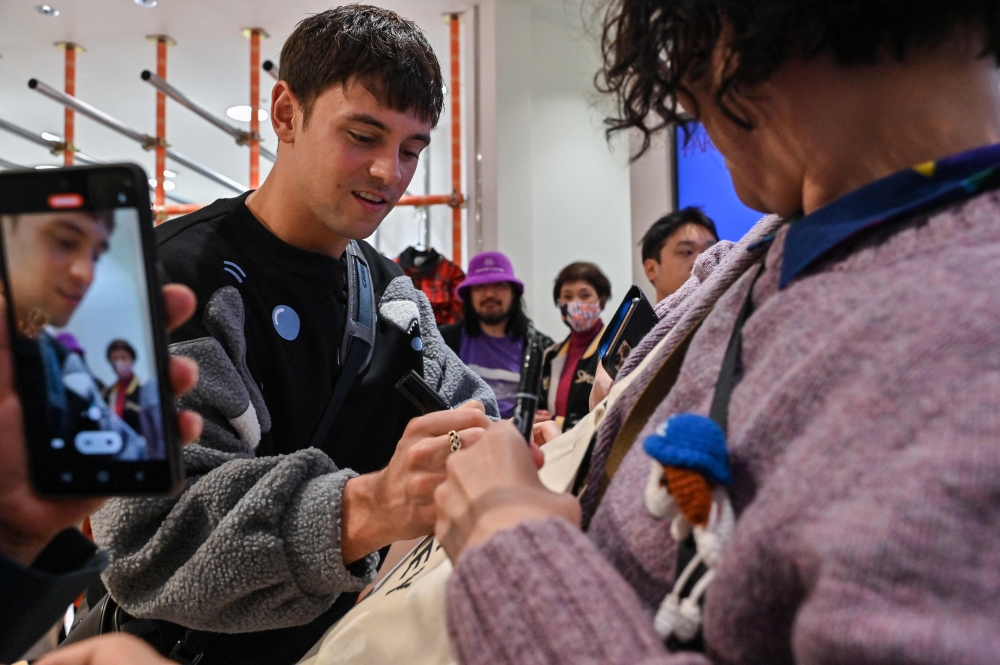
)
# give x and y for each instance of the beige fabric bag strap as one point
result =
(644, 407)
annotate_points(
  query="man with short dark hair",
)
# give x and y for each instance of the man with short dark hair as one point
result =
(491, 337)
(311, 461)
(671, 245)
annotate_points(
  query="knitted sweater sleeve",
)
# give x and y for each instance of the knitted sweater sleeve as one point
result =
(251, 543)
(541, 594)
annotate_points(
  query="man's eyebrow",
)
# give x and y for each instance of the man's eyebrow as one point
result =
(76, 230)
(368, 120)
(378, 124)
(70, 226)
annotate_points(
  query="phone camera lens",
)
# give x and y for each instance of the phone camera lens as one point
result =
(122, 198)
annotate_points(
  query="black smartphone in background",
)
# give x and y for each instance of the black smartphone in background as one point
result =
(427, 400)
(634, 318)
(88, 331)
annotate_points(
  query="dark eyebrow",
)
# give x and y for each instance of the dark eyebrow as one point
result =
(70, 226)
(378, 124)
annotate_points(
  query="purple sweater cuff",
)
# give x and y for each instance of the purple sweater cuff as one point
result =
(542, 593)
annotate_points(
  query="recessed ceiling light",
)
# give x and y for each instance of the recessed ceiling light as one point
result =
(167, 173)
(242, 113)
(51, 137)
(146, 3)
(167, 185)
(47, 10)
(46, 166)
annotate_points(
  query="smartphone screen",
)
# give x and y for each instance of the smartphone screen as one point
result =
(87, 331)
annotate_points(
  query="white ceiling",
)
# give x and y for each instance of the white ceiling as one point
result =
(210, 64)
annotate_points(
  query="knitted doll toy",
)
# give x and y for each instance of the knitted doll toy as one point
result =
(687, 484)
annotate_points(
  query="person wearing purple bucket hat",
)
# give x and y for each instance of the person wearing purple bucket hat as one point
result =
(490, 339)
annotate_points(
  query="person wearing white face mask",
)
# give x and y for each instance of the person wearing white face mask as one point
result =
(581, 291)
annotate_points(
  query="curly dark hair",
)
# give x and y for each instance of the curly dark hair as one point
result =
(654, 48)
(389, 55)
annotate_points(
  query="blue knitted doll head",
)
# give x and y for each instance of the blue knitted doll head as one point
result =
(693, 442)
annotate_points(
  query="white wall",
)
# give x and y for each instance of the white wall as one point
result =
(562, 192)
(651, 192)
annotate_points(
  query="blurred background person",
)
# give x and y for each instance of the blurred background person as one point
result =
(132, 400)
(581, 291)
(491, 337)
(671, 245)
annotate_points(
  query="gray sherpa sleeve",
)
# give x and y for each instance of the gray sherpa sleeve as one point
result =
(252, 543)
(403, 304)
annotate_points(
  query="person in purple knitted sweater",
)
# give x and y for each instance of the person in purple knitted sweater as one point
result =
(863, 426)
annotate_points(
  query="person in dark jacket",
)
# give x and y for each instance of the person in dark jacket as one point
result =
(132, 400)
(491, 337)
(568, 368)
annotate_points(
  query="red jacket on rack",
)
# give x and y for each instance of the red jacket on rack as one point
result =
(437, 277)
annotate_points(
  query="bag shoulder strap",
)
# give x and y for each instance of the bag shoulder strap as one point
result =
(727, 374)
(644, 407)
(664, 381)
(358, 342)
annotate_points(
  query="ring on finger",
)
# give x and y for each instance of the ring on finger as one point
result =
(456, 441)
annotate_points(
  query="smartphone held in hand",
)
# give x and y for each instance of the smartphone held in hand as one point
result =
(88, 332)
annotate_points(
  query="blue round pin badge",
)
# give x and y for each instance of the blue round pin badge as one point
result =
(286, 321)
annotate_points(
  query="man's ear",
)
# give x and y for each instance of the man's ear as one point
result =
(652, 269)
(285, 112)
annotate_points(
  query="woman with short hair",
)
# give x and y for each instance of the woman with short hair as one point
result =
(581, 292)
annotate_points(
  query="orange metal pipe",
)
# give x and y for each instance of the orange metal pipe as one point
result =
(453, 200)
(456, 139)
(254, 107)
(69, 117)
(161, 124)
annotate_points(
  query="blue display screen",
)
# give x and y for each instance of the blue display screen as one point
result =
(704, 181)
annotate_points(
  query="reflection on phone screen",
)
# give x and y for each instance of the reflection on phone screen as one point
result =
(78, 297)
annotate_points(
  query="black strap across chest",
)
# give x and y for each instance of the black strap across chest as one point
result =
(359, 338)
(719, 412)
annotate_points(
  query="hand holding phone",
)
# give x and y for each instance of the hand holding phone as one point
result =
(86, 326)
(27, 521)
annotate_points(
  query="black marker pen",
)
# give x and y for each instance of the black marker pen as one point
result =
(526, 399)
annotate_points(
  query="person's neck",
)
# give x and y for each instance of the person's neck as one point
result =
(284, 210)
(497, 330)
(853, 125)
(586, 335)
(124, 380)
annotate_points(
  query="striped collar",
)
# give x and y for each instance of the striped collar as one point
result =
(900, 195)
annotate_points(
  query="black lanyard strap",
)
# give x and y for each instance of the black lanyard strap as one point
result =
(730, 362)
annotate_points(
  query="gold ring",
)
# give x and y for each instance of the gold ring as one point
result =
(456, 441)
